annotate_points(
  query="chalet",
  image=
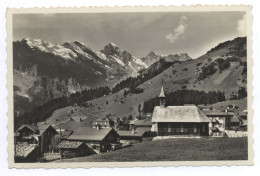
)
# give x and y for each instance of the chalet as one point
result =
(104, 122)
(129, 136)
(26, 153)
(144, 125)
(179, 121)
(70, 149)
(219, 121)
(101, 140)
(27, 134)
(31, 134)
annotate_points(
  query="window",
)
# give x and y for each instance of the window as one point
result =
(194, 128)
(181, 127)
(169, 128)
(203, 127)
(185, 130)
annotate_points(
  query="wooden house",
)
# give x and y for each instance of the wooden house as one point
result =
(101, 140)
(129, 136)
(41, 135)
(144, 125)
(70, 149)
(219, 121)
(104, 122)
(179, 121)
(26, 153)
(27, 134)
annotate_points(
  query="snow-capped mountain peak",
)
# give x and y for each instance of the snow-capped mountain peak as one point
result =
(152, 57)
(112, 61)
(48, 47)
(113, 44)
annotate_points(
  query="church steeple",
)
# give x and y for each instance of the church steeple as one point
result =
(162, 98)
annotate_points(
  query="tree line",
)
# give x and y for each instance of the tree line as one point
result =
(182, 97)
(41, 113)
(133, 82)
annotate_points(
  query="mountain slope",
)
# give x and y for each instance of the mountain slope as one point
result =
(122, 63)
(43, 71)
(181, 75)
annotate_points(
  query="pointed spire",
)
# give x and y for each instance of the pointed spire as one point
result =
(162, 93)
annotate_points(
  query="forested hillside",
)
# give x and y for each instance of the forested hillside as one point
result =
(219, 75)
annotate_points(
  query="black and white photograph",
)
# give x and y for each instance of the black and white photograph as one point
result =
(130, 86)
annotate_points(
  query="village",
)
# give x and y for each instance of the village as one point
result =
(42, 142)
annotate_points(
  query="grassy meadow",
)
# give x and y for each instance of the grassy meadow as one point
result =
(204, 149)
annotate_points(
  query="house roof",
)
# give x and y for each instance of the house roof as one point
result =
(70, 144)
(146, 122)
(209, 112)
(38, 129)
(90, 134)
(23, 150)
(129, 133)
(144, 129)
(162, 93)
(43, 128)
(179, 114)
(34, 128)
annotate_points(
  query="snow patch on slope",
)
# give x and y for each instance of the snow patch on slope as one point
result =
(101, 55)
(118, 60)
(139, 62)
(55, 49)
(79, 50)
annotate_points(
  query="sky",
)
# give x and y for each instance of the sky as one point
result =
(139, 33)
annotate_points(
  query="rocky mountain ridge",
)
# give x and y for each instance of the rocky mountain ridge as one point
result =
(43, 70)
(152, 57)
(223, 68)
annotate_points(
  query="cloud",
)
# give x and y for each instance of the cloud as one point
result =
(241, 26)
(178, 31)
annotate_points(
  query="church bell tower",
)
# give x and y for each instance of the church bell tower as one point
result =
(162, 98)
